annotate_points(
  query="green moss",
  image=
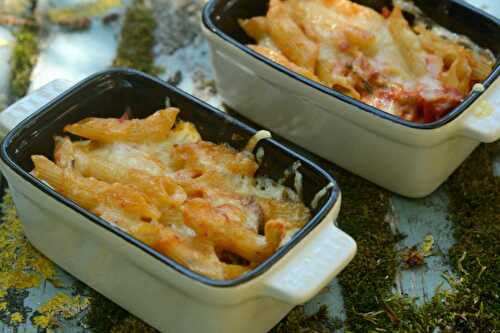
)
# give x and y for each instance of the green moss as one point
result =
(472, 304)
(132, 325)
(24, 58)
(474, 209)
(298, 322)
(137, 39)
(461, 309)
(103, 314)
(368, 280)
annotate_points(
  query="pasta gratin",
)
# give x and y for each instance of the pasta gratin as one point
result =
(415, 72)
(197, 202)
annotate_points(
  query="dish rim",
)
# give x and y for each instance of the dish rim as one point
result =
(263, 267)
(449, 117)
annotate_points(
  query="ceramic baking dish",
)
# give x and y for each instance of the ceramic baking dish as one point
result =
(153, 287)
(407, 158)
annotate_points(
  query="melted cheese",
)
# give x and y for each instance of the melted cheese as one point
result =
(195, 201)
(382, 61)
(184, 165)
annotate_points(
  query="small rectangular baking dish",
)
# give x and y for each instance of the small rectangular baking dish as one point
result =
(408, 158)
(155, 288)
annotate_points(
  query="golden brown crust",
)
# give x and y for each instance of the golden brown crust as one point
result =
(182, 196)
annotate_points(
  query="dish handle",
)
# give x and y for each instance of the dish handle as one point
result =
(302, 276)
(482, 122)
(29, 104)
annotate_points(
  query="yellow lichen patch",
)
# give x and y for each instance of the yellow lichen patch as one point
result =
(64, 305)
(16, 318)
(21, 265)
(41, 321)
(58, 307)
(3, 306)
(80, 11)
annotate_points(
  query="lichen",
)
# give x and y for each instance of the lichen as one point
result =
(41, 321)
(13, 305)
(137, 39)
(21, 265)
(178, 24)
(16, 318)
(61, 306)
(24, 58)
(82, 11)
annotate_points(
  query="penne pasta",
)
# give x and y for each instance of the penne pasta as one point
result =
(378, 58)
(91, 193)
(255, 27)
(191, 200)
(279, 58)
(293, 212)
(153, 128)
(64, 154)
(83, 191)
(205, 156)
(196, 254)
(407, 42)
(289, 38)
(458, 75)
(214, 225)
(160, 189)
(449, 51)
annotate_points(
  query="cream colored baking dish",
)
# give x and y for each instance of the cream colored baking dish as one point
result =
(153, 287)
(408, 158)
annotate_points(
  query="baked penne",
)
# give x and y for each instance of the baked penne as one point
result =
(153, 128)
(93, 194)
(194, 201)
(407, 42)
(256, 27)
(161, 189)
(216, 225)
(279, 58)
(412, 72)
(289, 38)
